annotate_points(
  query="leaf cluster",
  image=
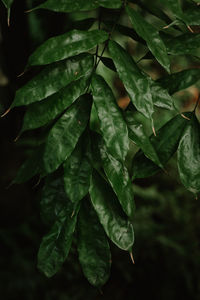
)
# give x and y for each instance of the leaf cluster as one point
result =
(87, 186)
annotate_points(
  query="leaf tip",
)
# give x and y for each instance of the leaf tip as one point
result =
(6, 112)
(182, 115)
(132, 259)
(29, 10)
(17, 137)
(190, 29)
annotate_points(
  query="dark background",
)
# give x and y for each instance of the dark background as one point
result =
(167, 223)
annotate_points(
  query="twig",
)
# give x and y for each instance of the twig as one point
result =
(197, 103)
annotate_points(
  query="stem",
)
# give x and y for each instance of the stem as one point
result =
(197, 103)
(110, 33)
(97, 61)
(99, 27)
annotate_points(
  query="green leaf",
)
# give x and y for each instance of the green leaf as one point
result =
(165, 144)
(66, 45)
(78, 5)
(53, 78)
(135, 82)
(152, 8)
(174, 6)
(138, 136)
(64, 135)
(118, 177)
(31, 167)
(160, 96)
(151, 36)
(112, 124)
(183, 44)
(56, 244)
(77, 171)
(53, 198)
(189, 156)
(180, 80)
(93, 247)
(40, 113)
(191, 16)
(112, 218)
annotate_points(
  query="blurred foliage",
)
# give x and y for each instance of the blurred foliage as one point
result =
(167, 222)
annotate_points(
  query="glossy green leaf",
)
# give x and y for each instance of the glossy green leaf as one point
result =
(153, 8)
(66, 45)
(150, 34)
(93, 247)
(135, 82)
(191, 16)
(56, 244)
(183, 44)
(78, 5)
(138, 136)
(40, 113)
(64, 135)
(118, 177)
(31, 167)
(53, 198)
(53, 78)
(189, 156)
(112, 124)
(174, 6)
(110, 214)
(160, 96)
(77, 171)
(180, 80)
(165, 143)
